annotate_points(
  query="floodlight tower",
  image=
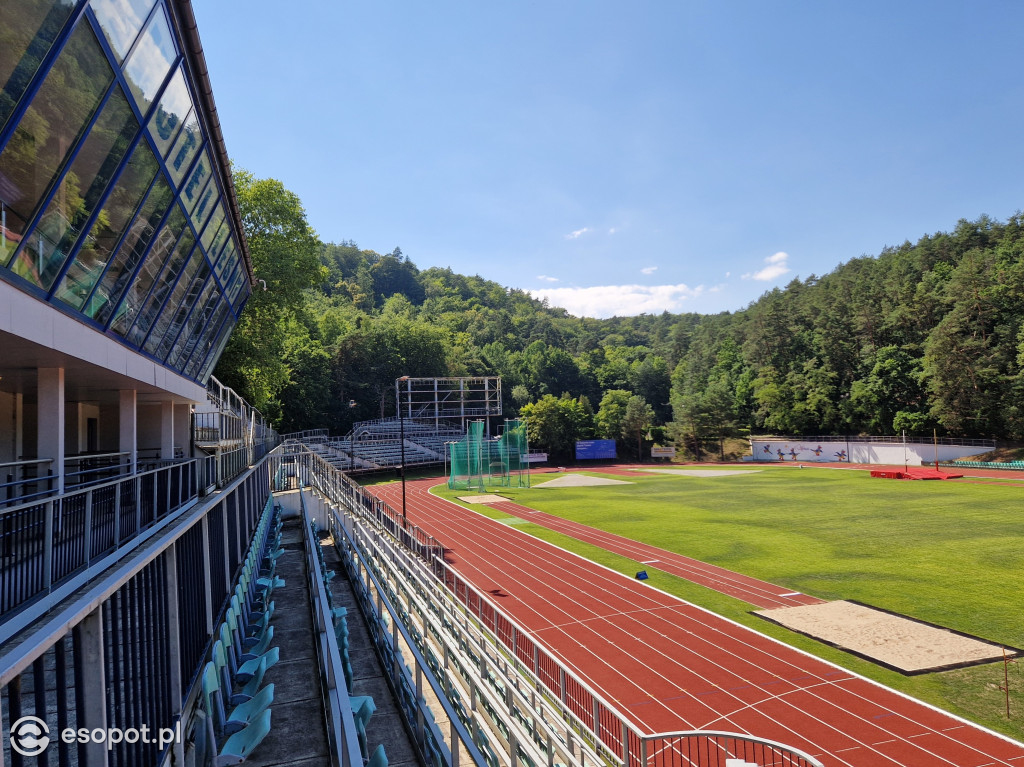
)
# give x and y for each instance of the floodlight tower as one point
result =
(401, 438)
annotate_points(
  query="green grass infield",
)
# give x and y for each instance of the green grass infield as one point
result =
(949, 553)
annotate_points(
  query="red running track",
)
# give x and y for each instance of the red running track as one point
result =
(670, 665)
(752, 590)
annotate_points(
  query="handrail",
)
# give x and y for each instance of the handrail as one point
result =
(342, 730)
(399, 627)
(26, 462)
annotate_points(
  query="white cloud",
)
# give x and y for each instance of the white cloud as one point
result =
(613, 230)
(649, 270)
(619, 300)
(578, 233)
(545, 278)
(777, 266)
(728, 274)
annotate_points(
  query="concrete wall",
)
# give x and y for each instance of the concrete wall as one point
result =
(913, 454)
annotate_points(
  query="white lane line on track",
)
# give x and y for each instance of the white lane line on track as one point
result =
(453, 514)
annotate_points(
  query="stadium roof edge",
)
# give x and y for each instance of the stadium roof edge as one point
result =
(186, 21)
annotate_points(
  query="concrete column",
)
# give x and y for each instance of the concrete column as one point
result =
(74, 428)
(174, 640)
(92, 708)
(183, 428)
(128, 421)
(167, 431)
(19, 426)
(50, 422)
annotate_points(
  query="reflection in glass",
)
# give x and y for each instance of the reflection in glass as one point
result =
(185, 148)
(194, 325)
(143, 306)
(175, 313)
(121, 21)
(171, 111)
(163, 244)
(150, 62)
(130, 252)
(212, 233)
(196, 182)
(214, 355)
(124, 200)
(206, 204)
(80, 191)
(27, 30)
(49, 130)
(205, 337)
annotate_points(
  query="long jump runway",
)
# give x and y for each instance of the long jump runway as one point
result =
(670, 665)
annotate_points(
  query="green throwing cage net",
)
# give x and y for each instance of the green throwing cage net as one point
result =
(477, 463)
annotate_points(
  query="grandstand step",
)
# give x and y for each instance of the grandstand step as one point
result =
(298, 736)
(385, 726)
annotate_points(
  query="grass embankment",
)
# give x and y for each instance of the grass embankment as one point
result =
(947, 553)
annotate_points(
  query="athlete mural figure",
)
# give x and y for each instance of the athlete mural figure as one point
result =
(782, 456)
(841, 455)
(817, 451)
(793, 453)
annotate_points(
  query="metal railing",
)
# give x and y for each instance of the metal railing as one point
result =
(44, 543)
(341, 730)
(95, 468)
(1005, 466)
(126, 652)
(593, 719)
(21, 481)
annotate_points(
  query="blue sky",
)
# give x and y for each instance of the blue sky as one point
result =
(620, 157)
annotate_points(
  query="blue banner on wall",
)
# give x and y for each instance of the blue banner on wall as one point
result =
(595, 448)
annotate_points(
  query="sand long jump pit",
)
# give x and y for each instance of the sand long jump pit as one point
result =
(894, 641)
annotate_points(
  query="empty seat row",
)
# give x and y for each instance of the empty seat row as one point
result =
(235, 704)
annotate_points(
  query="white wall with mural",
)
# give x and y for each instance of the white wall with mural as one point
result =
(781, 449)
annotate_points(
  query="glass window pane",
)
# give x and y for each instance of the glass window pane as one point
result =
(50, 129)
(106, 232)
(162, 254)
(207, 337)
(193, 325)
(185, 148)
(130, 252)
(150, 62)
(214, 355)
(121, 21)
(213, 232)
(27, 30)
(196, 182)
(207, 203)
(174, 106)
(169, 324)
(218, 240)
(142, 306)
(79, 192)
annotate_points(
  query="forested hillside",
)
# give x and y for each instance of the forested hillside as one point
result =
(922, 336)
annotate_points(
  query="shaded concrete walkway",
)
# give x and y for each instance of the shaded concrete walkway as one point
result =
(298, 734)
(385, 726)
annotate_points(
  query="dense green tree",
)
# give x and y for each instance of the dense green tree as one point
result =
(285, 259)
(555, 424)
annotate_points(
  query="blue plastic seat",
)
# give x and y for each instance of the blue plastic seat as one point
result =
(238, 747)
(242, 715)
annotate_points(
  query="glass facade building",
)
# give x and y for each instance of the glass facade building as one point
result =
(116, 204)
